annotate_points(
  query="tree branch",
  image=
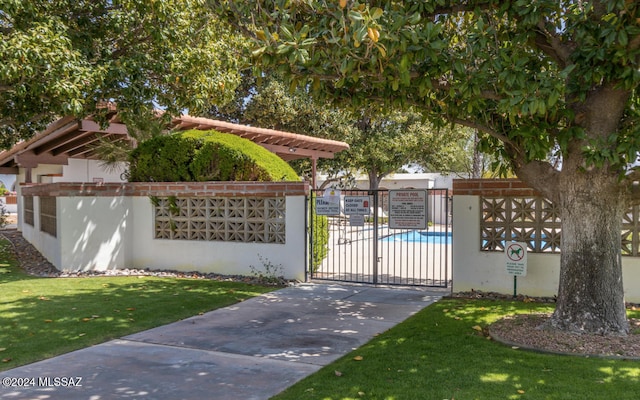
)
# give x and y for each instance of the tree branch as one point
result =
(550, 44)
(489, 131)
(540, 175)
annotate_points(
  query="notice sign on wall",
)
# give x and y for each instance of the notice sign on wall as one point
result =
(357, 205)
(516, 258)
(408, 209)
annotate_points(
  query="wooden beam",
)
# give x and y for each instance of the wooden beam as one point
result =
(53, 145)
(9, 170)
(113, 128)
(86, 138)
(297, 152)
(60, 131)
(28, 159)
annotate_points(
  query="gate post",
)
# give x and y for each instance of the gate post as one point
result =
(375, 236)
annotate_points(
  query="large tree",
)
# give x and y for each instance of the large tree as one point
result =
(380, 143)
(384, 144)
(71, 57)
(536, 78)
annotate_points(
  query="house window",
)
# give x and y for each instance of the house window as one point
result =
(28, 210)
(226, 219)
(48, 215)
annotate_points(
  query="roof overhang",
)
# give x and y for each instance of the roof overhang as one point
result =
(289, 146)
(69, 137)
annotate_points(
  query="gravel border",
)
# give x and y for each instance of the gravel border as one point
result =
(33, 263)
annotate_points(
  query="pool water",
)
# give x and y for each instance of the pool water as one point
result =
(420, 237)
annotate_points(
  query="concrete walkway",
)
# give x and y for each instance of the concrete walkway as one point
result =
(251, 350)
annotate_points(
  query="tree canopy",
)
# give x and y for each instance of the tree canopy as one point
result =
(551, 85)
(68, 57)
(381, 142)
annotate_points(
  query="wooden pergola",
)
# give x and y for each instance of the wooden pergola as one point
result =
(70, 137)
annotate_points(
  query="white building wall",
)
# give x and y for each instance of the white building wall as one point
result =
(46, 244)
(486, 271)
(81, 170)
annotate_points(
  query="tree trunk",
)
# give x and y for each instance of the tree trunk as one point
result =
(591, 296)
(374, 181)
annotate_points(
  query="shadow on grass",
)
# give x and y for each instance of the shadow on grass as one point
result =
(440, 353)
(43, 317)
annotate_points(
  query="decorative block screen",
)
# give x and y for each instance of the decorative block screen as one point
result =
(533, 220)
(229, 219)
(28, 210)
(48, 215)
(536, 221)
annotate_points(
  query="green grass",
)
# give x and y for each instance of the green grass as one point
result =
(437, 354)
(44, 317)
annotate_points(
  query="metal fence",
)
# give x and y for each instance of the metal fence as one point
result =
(361, 245)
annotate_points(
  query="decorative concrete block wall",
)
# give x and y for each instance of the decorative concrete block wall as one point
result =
(487, 213)
(220, 227)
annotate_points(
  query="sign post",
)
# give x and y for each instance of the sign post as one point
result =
(516, 261)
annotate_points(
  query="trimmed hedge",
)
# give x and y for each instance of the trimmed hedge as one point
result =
(194, 155)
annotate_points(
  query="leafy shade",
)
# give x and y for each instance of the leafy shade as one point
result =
(380, 141)
(551, 85)
(68, 57)
(205, 156)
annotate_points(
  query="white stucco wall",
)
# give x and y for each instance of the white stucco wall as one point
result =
(81, 170)
(94, 232)
(228, 258)
(485, 271)
(115, 232)
(45, 243)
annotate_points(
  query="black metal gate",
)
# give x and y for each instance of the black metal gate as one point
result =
(361, 247)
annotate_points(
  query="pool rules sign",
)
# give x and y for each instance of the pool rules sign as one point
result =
(516, 258)
(408, 209)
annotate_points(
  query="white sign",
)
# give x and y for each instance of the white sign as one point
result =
(408, 209)
(331, 195)
(357, 205)
(324, 207)
(516, 258)
(356, 220)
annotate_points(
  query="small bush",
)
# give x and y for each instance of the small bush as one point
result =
(320, 237)
(205, 156)
(163, 159)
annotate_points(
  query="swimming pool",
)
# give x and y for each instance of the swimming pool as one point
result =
(425, 237)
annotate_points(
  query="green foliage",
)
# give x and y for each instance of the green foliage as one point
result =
(163, 159)
(269, 273)
(525, 76)
(252, 161)
(380, 142)
(320, 235)
(205, 156)
(66, 57)
(551, 85)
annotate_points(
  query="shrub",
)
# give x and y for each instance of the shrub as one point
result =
(163, 159)
(205, 156)
(320, 236)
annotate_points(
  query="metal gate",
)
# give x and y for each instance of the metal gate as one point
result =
(360, 246)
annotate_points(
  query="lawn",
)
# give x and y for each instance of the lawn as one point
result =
(44, 317)
(441, 353)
